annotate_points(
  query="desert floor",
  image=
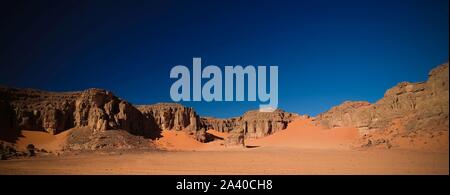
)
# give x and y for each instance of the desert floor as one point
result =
(270, 160)
(302, 148)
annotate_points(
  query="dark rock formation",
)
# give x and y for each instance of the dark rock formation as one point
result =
(173, 116)
(53, 112)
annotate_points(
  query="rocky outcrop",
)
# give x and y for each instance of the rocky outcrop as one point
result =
(84, 139)
(404, 110)
(221, 125)
(348, 114)
(255, 123)
(173, 116)
(235, 138)
(53, 112)
(259, 124)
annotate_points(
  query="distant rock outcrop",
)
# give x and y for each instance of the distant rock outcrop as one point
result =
(54, 112)
(259, 124)
(221, 125)
(254, 123)
(421, 106)
(348, 114)
(236, 137)
(405, 108)
(173, 116)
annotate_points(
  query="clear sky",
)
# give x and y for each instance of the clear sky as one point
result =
(328, 51)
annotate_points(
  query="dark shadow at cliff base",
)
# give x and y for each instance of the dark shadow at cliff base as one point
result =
(10, 135)
(153, 135)
(210, 137)
(252, 146)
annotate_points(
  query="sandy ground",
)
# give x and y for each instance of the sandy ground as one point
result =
(42, 140)
(302, 133)
(302, 148)
(269, 160)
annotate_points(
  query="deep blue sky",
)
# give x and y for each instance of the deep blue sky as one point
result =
(327, 51)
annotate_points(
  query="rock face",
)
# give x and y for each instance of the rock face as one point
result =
(94, 111)
(405, 108)
(221, 125)
(84, 139)
(259, 124)
(348, 114)
(235, 138)
(173, 116)
(54, 112)
(255, 124)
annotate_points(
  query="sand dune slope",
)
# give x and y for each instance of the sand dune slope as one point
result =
(302, 133)
(42, 140)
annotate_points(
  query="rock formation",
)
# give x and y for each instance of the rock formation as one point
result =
(259, 124)
(405, 108)
(348, 114)
(53, 112)
(84, 139)
(420, 105)
(235, 138)
(255, 123)
(221, 125)
(173, 116)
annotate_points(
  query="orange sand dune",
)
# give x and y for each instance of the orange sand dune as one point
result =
(177, 140)
(42, 140)
(181, 141)
(302, 133)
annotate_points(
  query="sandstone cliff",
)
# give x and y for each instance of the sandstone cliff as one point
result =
(420, 105)
(255, 124)
(221, 125)
(173, 116)
(406, 108)
(97, 109)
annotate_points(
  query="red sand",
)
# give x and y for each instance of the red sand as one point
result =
(42, 140)
(302, 148)
(177, 140)
(301, 133)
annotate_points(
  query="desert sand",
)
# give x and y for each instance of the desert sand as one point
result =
(249, 161)
(42, 139)
(302, 133)
(302, 148)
